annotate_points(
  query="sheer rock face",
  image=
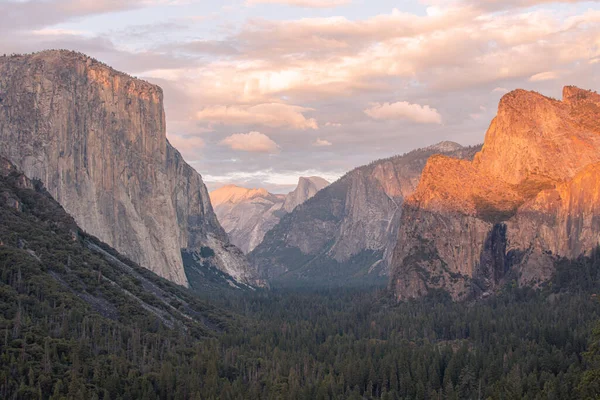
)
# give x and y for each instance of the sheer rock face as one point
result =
(529, 196)
(96, 139)
(248, 214)
(307, 188)
(356, 216)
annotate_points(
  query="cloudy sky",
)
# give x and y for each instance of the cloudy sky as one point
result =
(259, 92)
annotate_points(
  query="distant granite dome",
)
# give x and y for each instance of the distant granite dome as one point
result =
(96, 138)
(248, 214)
(307, 188)
(236, 194)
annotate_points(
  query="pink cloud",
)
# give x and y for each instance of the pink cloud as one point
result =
(321, 143)
(274, 115)
(254, 142)
(302, 3)
(404, 110)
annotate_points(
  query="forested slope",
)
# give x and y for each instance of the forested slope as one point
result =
(77, 318)
(77, 321)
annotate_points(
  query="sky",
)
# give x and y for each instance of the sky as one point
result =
(260, 92)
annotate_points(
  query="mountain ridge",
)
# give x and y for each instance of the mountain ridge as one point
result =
(345, 231)
(528, 198)
(96, 137)
(248, 214)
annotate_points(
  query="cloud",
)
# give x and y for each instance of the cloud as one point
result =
(453, 48)
(321, 143)
(404, 110)
(31, 14)
(276, 181)
(302, 3)
(254, 142)
(494, 5)
(545, 76)
(272, 75)
(274, 115)
(57, 32)
(215, 47)
(187, 145)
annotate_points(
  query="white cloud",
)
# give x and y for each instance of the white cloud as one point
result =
(58, 32)
(187, 145)
(271, 176)
(179, 141)
(274, 115)
(254, 142)
(500, 90)
(302, 3)
(321, 143)
(404, 110)
(333, 124)
(545, 76)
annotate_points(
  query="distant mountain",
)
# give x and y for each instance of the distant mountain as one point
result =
(247, 214)
(97, 140)
(529, 197)
(307, 188)
(345, 234)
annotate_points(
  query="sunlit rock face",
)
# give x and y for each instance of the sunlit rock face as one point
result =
(248, 214)
(529, 196)
(97, 140)
(345, 233)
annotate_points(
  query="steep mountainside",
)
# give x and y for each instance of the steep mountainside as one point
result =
(307, 188)
(96, 139)
(247, 214)
(531, 195)
(346, 232)
(74, 311)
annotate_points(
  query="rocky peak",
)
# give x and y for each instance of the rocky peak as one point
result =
(538, 138)
(236, 194)
(307, 188)
(445, 147)
(573, 95)
(248, 214)
(96, 138)
(346, 233)
(529, 195)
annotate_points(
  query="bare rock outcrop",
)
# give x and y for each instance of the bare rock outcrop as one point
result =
(346, 232)
(307, 188)
(96, 138)
(248, 214)
(529, 196)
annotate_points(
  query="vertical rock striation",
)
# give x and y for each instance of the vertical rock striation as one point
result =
(345, 233)
(97, 140)
(530, 196)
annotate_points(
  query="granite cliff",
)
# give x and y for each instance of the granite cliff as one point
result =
(307, 187)
(529, 197)
(345, 233)
(96, 138)
(248, 214)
